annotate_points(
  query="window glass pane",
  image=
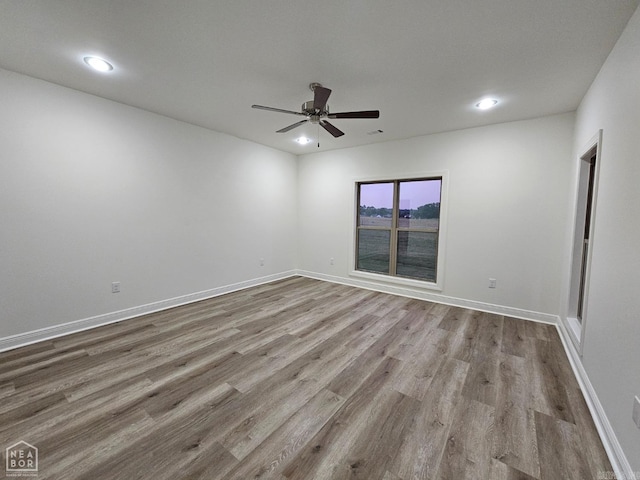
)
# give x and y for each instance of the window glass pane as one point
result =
(376, 204)
(419, 204)
(417, 255)
(373, 250)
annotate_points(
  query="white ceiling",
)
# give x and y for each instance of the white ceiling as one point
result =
(422, 63)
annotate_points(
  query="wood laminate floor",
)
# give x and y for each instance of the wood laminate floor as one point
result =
(302, 379)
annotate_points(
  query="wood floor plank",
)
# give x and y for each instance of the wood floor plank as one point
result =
(482, 381)
(552, 397)
(349, 379)
(390, 476)
(560, 450)
(490, 336)
(21, 365)
(270, 457)
(500, 471)
(417, 324)
(467, 454)
(418, 372)
(421, 449)
(26, 410)
(455, 319)
(179, 363)
(7, 389)
(374, 448)
(324, 456)
(27, 353)
(165, 444)
(467, 335)
(515, 441)
(94, 336)
(301, 378)
(61, 418)
(43, 368)
(210, 463)
(392, 343)
(313, 370)
(514, 337)
(536, 330)
(594, 453)
(68, 456)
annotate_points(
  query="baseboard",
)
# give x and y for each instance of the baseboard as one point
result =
(618, 459)
(435, 297)
(48, 333)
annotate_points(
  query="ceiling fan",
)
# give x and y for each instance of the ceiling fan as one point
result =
(316, 111)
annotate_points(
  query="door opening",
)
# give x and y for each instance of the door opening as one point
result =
(583, 240)
(590, 176)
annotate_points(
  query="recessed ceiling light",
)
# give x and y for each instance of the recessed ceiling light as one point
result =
(98, 64)
(303, 140)
(486, 103)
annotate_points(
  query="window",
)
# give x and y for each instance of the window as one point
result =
(397, 228)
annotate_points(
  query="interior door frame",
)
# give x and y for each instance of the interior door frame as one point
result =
(580, 266)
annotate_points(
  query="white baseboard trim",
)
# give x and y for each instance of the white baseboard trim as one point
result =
(48, 333)
(612, 446)
(435, 297)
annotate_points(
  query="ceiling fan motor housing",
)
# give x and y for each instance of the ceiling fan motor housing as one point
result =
(307, 107)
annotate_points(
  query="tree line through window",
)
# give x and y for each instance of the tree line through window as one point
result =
(398, 227)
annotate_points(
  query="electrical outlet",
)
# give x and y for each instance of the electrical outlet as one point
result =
(331, 261)
(492, 283)
(636, 411)
(115, 287)
(262, 262)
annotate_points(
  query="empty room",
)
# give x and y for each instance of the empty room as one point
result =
(320, 240)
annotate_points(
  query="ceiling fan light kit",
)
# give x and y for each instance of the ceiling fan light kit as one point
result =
(316, 112)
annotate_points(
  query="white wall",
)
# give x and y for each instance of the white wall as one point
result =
(612, 337)
(507, 206)
(93, 191)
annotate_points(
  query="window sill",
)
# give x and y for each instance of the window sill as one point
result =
(406, 282)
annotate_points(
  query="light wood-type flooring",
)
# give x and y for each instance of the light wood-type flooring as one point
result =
(302, 379)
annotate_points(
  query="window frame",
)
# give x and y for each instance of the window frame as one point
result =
(394, 230)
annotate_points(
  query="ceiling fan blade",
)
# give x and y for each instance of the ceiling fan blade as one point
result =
(363, 114)
(291, 127)
(333, 130)
(320, 97)
(279, 110)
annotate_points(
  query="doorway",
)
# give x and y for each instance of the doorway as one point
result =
(588, 169)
